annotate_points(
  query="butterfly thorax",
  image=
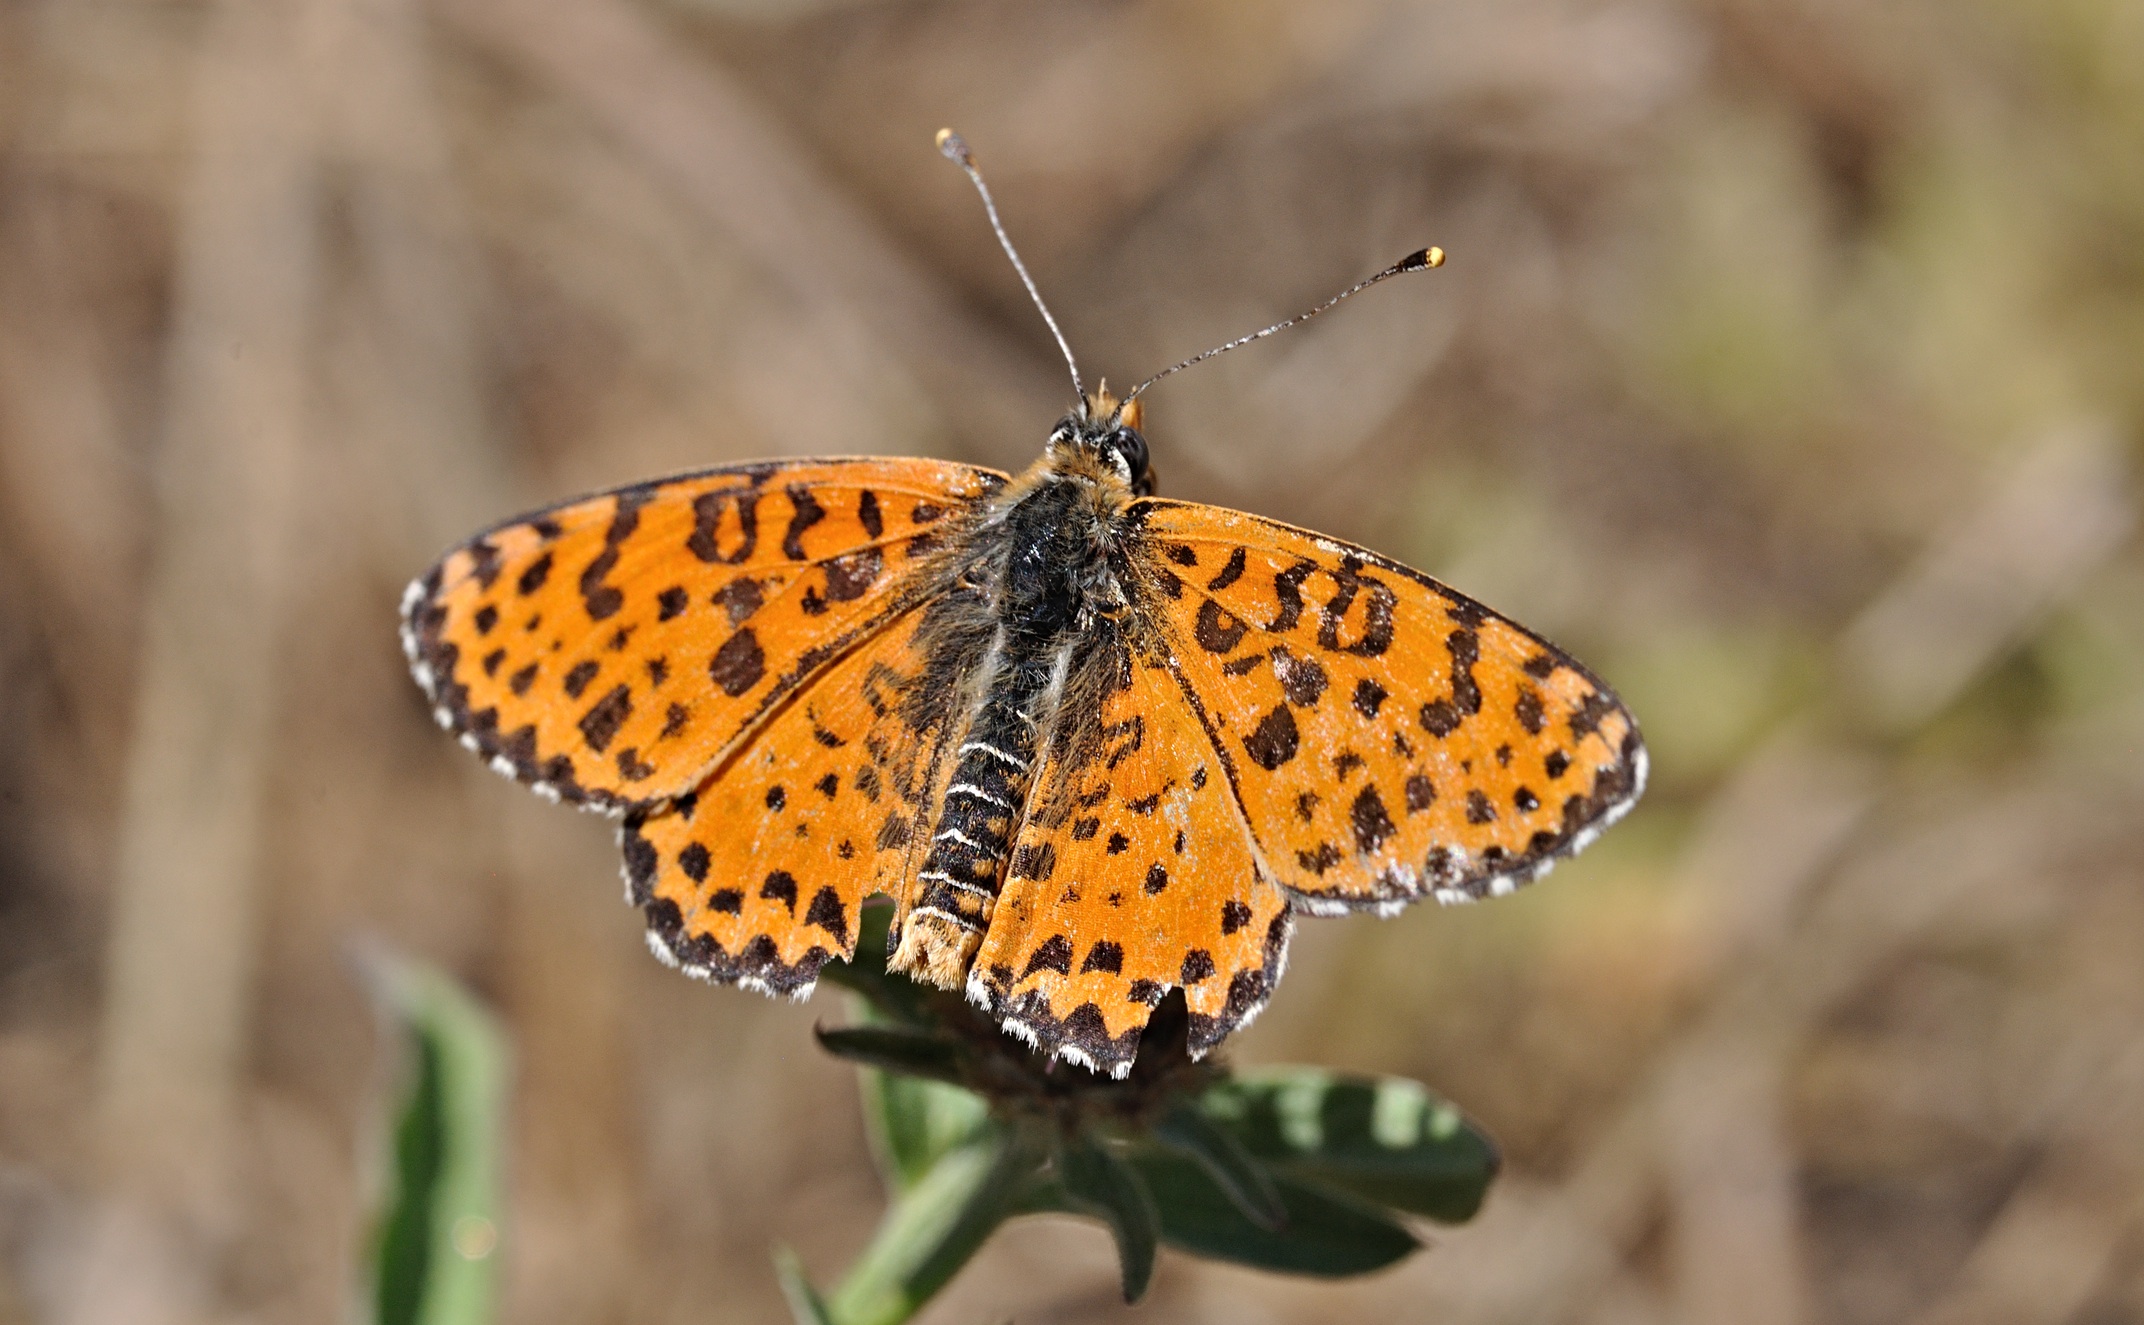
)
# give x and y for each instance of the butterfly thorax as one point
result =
(1036, 604)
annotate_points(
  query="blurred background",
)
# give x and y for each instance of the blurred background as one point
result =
(1788, 367)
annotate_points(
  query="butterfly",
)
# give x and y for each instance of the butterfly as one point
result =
(1095, 744)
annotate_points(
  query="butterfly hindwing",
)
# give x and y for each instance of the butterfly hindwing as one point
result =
(611, 649)
(1388, 738)
(758, 877)
(1132, 874)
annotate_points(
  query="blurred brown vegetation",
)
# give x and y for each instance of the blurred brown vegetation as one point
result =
(1788, 367)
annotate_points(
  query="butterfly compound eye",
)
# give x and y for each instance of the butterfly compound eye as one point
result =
(1132, 447)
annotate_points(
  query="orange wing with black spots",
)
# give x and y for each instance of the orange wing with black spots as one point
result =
(1387, 738)
(1132, 875)
(758, 877)
(610, 651)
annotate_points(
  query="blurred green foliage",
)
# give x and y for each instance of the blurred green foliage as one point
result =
(436, 1234)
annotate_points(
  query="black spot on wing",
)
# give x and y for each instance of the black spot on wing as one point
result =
(708, 508)
(781, 886)
(1586, 718)
(1274, 741)
(601, 722)
(1302, 680)
(1055, 954)
(1288, 588)
(738, 665)
(601, 600)
(1528, 711)
(1371, 822)
(483, 565)
(1421, 793)
(808, 512)
(740, 598)
(1378, 601)
(1317, 862)
(1441, 717)
(532, 578)
(826, 912)
(1216, 629)
(1104, 956)
(850, 577)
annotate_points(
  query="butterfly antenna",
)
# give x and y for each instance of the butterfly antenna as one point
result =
(1419, 260)
(955, 149)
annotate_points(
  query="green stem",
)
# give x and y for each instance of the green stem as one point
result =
(932, 1230)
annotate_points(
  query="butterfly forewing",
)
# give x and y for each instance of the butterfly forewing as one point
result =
(1388, 739)
(1132, 875)
(611, 650)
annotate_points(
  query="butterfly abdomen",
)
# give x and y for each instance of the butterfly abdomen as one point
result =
(1046, 555)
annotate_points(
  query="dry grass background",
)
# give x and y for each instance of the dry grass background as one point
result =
(1789, 367)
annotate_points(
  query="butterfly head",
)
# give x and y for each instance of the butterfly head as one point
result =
(1107, 430)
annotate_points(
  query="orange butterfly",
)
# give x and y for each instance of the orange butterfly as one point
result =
(1095, 744)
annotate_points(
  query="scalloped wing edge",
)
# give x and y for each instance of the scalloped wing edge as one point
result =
(1081, 1041)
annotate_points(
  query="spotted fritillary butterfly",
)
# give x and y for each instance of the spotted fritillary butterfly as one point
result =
(1095, 744)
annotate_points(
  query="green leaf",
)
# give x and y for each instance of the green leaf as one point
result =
(1098, 1183)
(896, 1049)
(932, 1230)
(913, 1122)
(437, 1230)
(805, 1304)
(1240, 1177)
(1384, 1138)
(1327, 1235)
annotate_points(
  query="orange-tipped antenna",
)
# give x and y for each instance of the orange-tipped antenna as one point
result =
(955, 149)
(1419, 260)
